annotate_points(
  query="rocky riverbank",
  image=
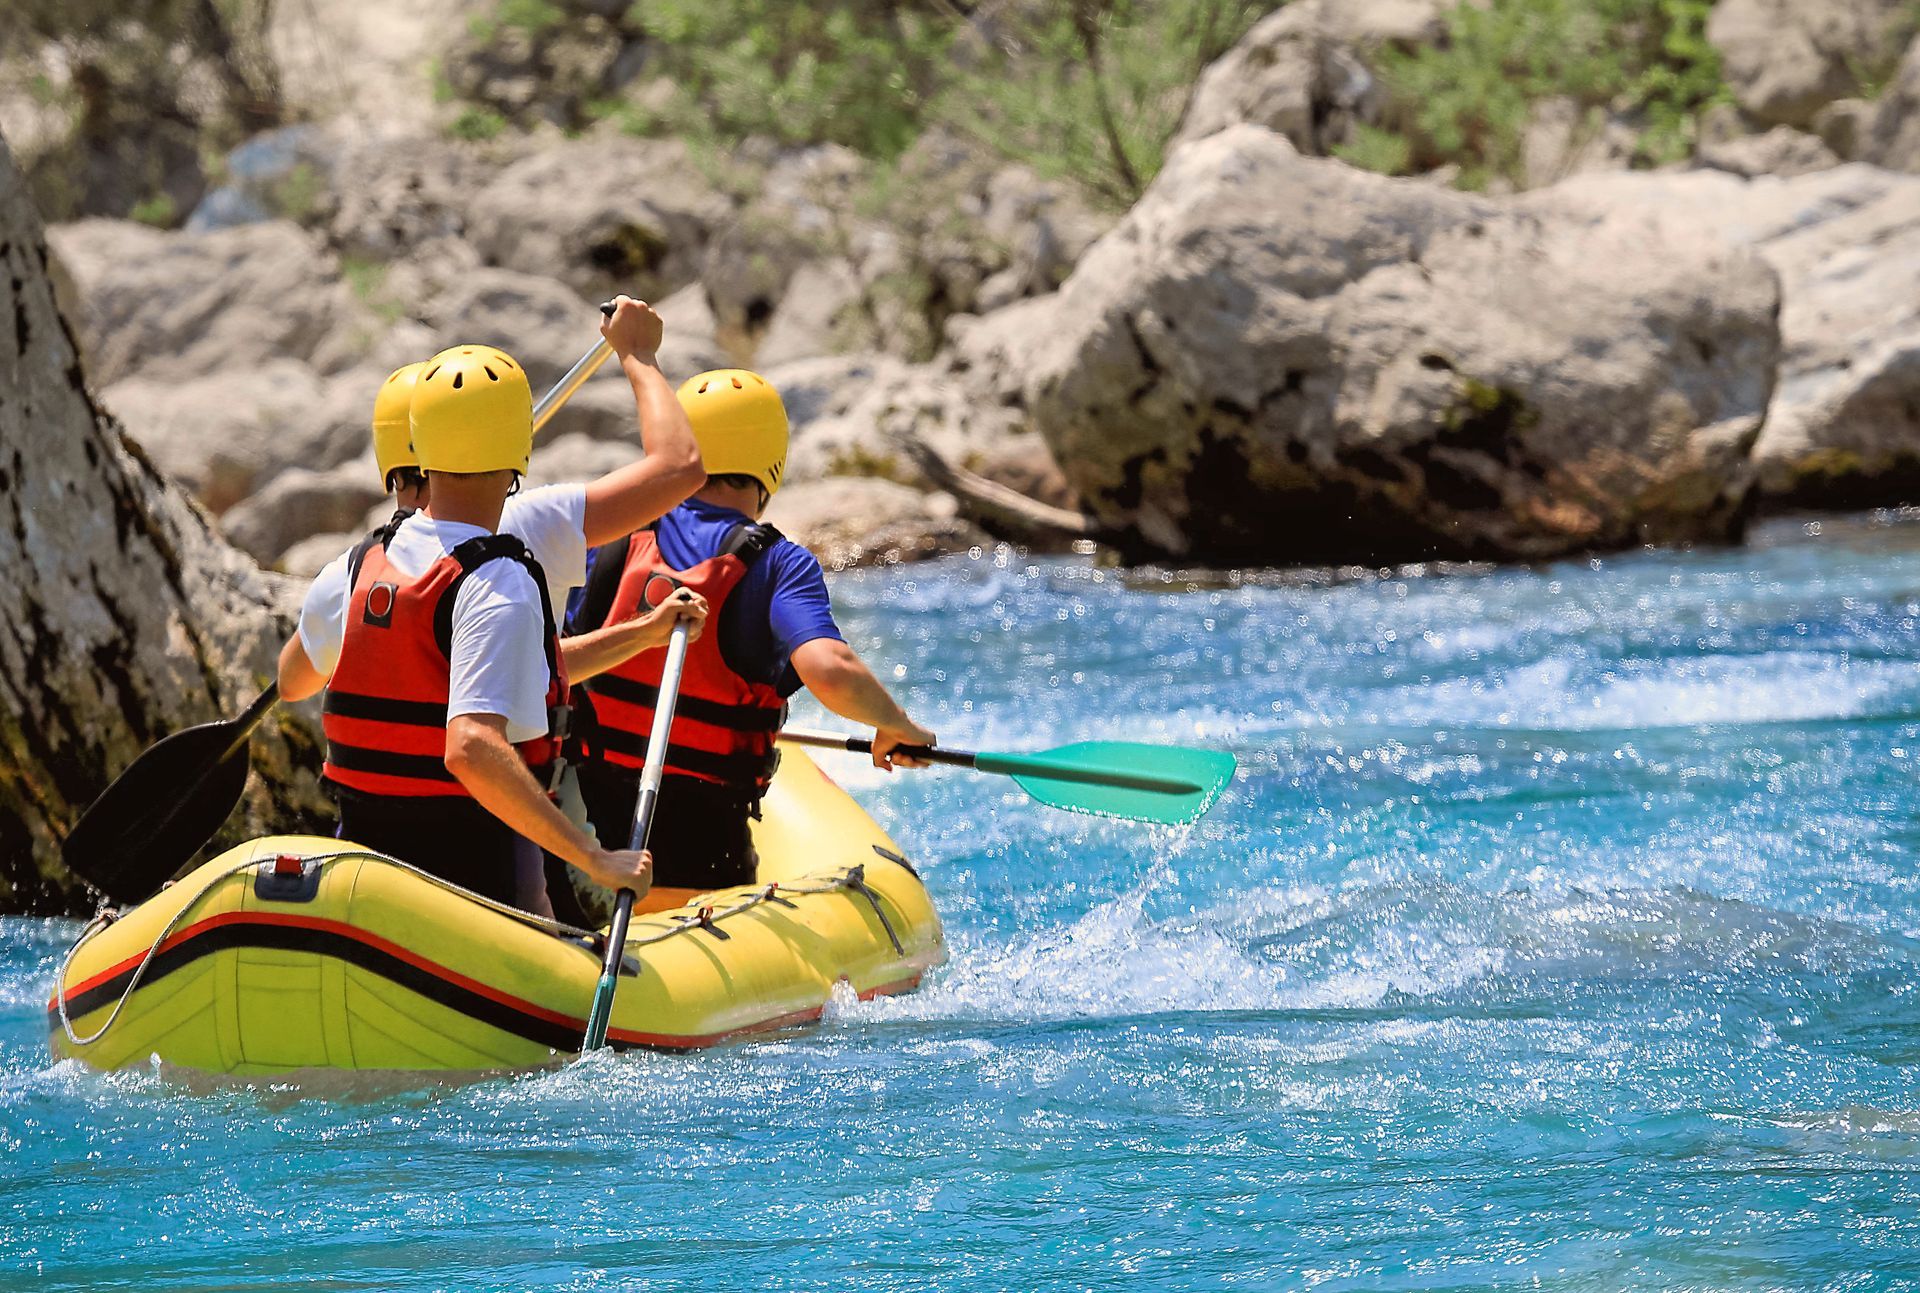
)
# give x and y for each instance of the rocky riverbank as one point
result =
(1275, 356)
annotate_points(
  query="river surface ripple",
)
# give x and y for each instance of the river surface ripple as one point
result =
(1561, 931)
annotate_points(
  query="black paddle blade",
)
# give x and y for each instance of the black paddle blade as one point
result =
(160, 811)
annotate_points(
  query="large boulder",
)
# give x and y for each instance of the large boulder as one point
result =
(864, 522)
(540, 321)
(225, 434)
(1787, 59)
(387, 193)
(1844, 427)
(302, 502)
(126, 618)
(1886, 131)
(182, 305)
(605, 213)
(1276, 358)
(1303, 71)
(854, 415)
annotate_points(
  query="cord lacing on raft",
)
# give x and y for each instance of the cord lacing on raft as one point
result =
(854, 879)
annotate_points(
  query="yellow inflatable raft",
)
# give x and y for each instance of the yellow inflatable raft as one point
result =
(299, 952)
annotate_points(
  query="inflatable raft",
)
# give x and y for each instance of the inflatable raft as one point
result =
(300, 952)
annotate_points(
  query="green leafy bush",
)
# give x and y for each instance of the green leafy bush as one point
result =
(853, 72)
(1092, 90)
(1468, 100)
(477, 124)
(1087, 90)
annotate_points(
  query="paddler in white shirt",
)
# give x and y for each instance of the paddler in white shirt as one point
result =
(556, 523)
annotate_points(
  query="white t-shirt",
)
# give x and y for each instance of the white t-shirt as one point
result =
(498, 662)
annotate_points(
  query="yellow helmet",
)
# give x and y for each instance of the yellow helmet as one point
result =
(472, 411)
(392, 433)
(739, 423)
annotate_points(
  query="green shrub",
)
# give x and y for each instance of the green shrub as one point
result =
(853, 72)
(477, 124)
(1374, 149)
(1469, 99)
(1092, 90)
(158, 210)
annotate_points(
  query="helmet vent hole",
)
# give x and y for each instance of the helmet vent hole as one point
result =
(432, 371)
(703, 387)
(737, 386)
(491, 375)
(456, 380)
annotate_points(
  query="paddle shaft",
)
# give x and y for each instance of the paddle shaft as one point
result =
(1002, 764)
(656, 766)
(249, 719)
(576, 377)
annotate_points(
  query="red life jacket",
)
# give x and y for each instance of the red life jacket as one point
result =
(723, 725)
(385, 712)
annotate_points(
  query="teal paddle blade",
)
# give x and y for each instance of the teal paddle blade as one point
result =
(1169, 784)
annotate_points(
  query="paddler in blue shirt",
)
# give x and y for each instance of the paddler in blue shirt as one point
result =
(775, 634)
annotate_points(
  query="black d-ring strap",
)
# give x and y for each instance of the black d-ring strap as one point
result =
(477, 552)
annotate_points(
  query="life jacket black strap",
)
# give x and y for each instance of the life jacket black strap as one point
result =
(734, 769)
(748, 540)
(735, 718)
(382, 709)
(477, 552)
(380, 538)
(386, 763)
(609, 564)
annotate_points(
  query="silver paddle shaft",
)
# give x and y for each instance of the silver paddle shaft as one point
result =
(576, 377)
(656, 765)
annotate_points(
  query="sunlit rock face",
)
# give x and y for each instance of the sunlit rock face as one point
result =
(122, 616)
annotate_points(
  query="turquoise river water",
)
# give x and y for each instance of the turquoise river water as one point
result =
(1562, 930)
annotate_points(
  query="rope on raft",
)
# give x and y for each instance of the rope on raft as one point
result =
(852, 880)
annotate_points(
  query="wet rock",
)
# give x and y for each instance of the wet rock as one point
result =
(1281, 359)
(1787, 59)
(848, 522)
(127, 617)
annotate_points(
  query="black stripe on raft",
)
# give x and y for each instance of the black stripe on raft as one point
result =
(383, 709)
(735, 718)
(421, 767)
(321, 942)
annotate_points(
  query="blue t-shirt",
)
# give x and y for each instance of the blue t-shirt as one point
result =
(779, 605)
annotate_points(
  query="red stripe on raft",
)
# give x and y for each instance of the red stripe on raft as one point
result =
(343, 930)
